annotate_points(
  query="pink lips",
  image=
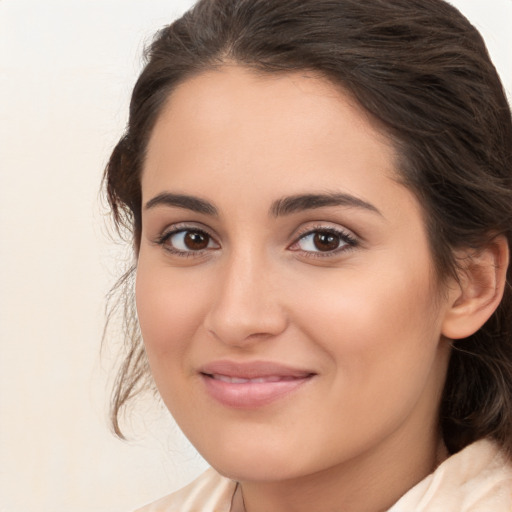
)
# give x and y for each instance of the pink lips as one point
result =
(251, 385)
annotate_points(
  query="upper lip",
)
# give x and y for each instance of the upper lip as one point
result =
(253, 370)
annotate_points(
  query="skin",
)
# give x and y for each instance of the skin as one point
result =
(367, 318)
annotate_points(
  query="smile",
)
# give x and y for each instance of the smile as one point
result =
(239, 380)
(251, 385)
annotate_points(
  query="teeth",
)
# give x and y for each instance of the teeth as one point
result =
(234, 380)
(238, 380)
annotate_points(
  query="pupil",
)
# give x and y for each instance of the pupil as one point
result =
(196, 241)
(326, 241)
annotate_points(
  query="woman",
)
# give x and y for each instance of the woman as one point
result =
(320, 199)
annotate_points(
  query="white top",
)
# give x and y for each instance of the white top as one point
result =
(477, 479)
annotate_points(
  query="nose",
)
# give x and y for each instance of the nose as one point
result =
(246, 306)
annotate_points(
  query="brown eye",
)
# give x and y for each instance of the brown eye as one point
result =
(188, 241)
(326, 241)
(195, 240)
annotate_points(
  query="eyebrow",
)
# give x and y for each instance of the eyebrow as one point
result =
(297, 203)
(192, 203)
(284, 206)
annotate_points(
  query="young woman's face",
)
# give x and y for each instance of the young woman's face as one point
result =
(285, 288)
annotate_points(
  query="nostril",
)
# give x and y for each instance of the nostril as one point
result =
(244, 326)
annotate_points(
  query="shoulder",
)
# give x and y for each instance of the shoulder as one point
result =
(210, 492)
(477, 479)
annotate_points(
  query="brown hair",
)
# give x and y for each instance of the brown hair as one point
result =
(422, 71)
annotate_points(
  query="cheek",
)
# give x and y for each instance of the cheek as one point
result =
(374, 325)
(382, 339)
(169, 311)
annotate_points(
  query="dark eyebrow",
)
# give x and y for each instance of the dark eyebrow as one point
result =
(182, 201)
(294, 204)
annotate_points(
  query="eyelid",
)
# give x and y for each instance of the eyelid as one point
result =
(350, 240)
(184, 226)
(181, 227)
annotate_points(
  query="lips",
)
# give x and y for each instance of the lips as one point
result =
(240, 380)
(251, 385)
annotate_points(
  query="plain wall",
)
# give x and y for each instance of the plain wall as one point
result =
(66, 70)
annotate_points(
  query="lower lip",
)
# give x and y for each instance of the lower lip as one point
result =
(250, 395)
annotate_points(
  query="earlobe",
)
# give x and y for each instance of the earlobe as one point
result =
(476, 296)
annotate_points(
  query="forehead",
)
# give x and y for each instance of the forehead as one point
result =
(224, 98)
(284, 132)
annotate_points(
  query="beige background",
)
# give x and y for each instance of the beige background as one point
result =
(66, 68)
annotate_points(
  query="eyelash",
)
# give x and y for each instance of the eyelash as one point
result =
(346, 238)
(349, 241)
(166, 235)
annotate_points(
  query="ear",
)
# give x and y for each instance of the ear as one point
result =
(476, 296)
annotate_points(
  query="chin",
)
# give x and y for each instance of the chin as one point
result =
(259, 471)
(258, 464)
